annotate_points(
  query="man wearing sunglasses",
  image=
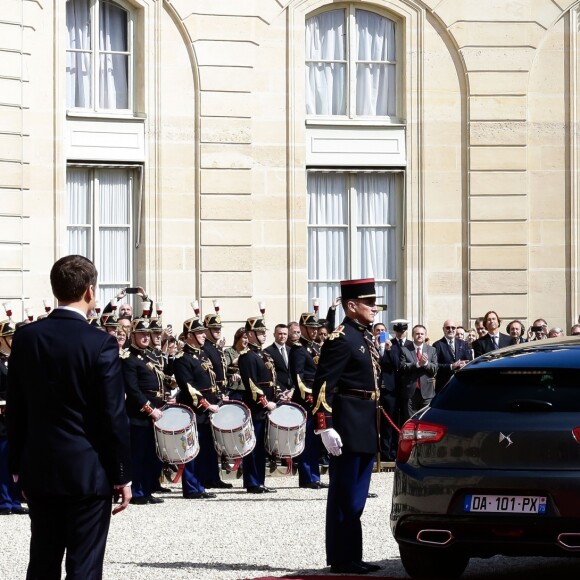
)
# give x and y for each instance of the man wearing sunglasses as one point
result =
(452, 354)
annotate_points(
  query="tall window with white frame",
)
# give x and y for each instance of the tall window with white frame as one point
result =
(353, 212)
(99, 68)
(100, 208)
(351, 64)
(352, 232)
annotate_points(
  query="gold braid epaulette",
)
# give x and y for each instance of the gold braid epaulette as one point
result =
(255, 390)
(322, 400)
(336, 333)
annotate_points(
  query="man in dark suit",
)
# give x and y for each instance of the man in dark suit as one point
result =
(68, 431)
(280, 353)
(346, 393)
(452, 354)
(494, 339)
(418, 370)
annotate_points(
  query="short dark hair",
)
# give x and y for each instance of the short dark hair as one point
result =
(508, 327)
(71, 276)
(281, 325)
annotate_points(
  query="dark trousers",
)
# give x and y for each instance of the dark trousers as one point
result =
(308, 460)
(78, 525)
(389, 437)
(254, 464)
(207, 466)
(146, 464)
(350, 478)
(9, 493)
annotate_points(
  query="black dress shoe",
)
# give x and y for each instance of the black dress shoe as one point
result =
(139, 500)
(163, 490)
(152, 499)
(260, 489)
(371, 495)
(218, 484)
(5, 512)
(200, 495)
(370, 567)
(349, 568)
(322, 485)
(21, 511)
(312, 485)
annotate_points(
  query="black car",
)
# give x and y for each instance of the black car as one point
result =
(492, 466)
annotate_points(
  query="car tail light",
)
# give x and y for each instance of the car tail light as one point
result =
(576, 434)
(414, 432)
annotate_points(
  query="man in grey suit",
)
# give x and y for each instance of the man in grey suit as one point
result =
(418, 369)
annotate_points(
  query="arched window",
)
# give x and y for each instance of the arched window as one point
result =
(99, 56)
(351, 64)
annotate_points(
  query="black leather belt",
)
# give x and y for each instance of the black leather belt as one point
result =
(359, 394)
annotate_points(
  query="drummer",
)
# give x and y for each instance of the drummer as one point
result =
(214, 350)
(197, 389)
(304, 354)
(143, 389)
(260, 392)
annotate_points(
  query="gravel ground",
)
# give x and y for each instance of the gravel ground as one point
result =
(238, 536)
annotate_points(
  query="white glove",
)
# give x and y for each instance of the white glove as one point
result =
(332, 441)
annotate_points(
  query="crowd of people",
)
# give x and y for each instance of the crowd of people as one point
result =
(365, 370)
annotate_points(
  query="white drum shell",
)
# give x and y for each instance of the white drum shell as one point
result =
(286, 430)
(233, 430)
(176, 435)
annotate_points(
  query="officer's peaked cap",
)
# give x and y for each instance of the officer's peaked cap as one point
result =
(353, 289)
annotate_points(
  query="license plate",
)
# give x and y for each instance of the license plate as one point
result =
(510, 504)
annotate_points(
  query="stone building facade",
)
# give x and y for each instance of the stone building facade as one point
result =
(203, 173)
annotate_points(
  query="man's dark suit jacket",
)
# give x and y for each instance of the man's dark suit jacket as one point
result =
(485, 343)
(390, 363)
(282, 372)
(411, 372)
(68, 432)
(445, 358)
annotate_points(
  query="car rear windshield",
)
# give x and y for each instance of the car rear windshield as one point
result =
(512, 390)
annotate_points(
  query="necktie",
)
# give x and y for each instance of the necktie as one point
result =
(452, 348)
(418, 384)
(495, 340)
(284, 354)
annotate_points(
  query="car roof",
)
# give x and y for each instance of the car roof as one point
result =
(551, 353)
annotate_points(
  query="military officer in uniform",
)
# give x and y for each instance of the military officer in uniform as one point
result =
(9, 494)
(197, 389)
(346, 392)
(214, 351)
(304, 355)
(260, 393)
(144, 391)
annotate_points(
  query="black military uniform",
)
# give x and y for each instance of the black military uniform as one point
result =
(304, 355)
(346, 393)
(259, 378)
(215, 352)
(197, 389)
(144, 391)
(9, 493)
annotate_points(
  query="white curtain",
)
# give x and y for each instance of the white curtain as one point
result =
(78, 65)
(327, 235)
(375, 81)
(113, 68)
(79, 212)
(329, 257)
(325, 66)
(114, 211)
(110, 212)
(375, 232)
